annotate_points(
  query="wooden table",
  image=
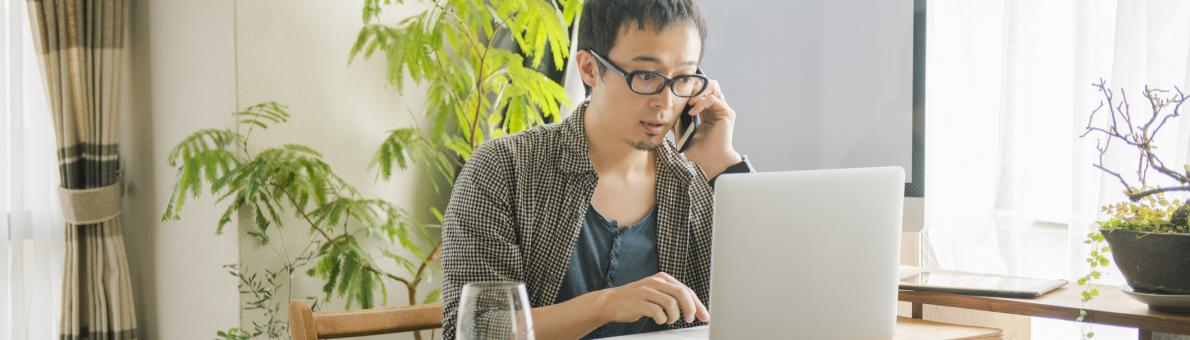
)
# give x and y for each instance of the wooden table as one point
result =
(923, 329)
(907, 329)
(1111, 307)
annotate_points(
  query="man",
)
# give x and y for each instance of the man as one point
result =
(545, 206)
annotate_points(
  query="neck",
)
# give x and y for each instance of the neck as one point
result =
(610, 155)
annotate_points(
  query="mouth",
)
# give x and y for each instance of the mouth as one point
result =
(653, 128)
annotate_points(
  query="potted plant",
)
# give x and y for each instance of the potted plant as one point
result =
(484, 66)
(1147, 234)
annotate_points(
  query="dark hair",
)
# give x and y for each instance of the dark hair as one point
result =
(602, 20)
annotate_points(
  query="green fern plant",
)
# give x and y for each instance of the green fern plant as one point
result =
(476, 89)
(294, 180)
(479, 62)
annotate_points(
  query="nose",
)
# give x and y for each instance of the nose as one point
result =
(663, 101)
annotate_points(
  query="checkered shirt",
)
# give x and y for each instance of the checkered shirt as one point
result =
(517, 207)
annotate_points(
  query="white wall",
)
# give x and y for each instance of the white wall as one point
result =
(820, 84)
(182, 76)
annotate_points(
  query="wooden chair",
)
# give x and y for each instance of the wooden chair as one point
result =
(304, 324)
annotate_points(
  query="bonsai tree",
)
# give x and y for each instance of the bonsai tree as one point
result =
(1146, 210)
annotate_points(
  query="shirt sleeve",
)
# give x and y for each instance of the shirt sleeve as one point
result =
(480, 241)
(744, 166)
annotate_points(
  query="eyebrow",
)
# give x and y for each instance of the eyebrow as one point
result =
(654, 60)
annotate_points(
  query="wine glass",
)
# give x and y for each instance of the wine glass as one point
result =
(494, 310)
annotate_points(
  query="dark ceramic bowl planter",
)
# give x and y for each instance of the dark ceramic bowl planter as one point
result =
(1154, 263)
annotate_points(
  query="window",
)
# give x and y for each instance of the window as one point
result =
(31, 232)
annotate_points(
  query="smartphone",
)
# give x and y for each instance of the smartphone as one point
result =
(687, 126)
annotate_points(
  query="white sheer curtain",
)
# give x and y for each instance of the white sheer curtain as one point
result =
(1009, 90)
(31, 242)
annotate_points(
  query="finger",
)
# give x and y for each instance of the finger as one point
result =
(702, 313)
(690, 307)
(696, 309)
(663, 276)
(696, 306)
(692, 103)
(713, 89)
(710, 86)
(719, 93)
(666, 301)
(703, 103)
(685, 297)
(656, 313)
(688, 300)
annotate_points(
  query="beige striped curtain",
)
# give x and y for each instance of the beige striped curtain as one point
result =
(82, 44)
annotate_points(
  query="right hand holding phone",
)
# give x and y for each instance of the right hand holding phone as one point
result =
(712, 148)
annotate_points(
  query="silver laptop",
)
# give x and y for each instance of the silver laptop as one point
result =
(806, 254)
(803, 255)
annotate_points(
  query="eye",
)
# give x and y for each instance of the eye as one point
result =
(647, 76)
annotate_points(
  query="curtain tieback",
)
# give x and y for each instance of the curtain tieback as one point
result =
(93, 205)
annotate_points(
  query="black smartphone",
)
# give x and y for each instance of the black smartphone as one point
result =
(687, 126)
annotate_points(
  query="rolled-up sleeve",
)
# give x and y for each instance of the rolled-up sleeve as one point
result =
(743, 167)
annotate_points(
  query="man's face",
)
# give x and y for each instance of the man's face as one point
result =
(642, 120)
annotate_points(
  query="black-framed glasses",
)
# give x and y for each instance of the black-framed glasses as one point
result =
(650, 83)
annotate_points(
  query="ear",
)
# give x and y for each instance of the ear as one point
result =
(588, 67)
